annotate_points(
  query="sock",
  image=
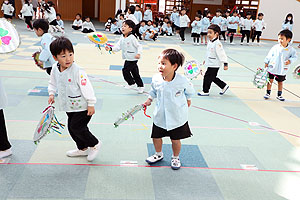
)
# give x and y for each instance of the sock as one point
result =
(175, 157)
(159, 153)
(279, 93)
(269, 92)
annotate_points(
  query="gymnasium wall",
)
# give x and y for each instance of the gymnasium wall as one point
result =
(275, 12)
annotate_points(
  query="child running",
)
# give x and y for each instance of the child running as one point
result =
(131, 52)
(215, 57)
(173, 92)
(278, 61)
(76, 97)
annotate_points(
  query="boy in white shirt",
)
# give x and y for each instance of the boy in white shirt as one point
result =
(8, 10)
(215, 58)
(148, 13)
(259, 25)
(88, 26)
(77, 24)
(138, 14)
(247, 25)
(60, 22)
(75, 96)
(184, 21)
(233, 23)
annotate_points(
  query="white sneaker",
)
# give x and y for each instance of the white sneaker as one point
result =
(203, 94)
(129, 86)
(198, 44)
(224, 90)
(140, 90)
(154, 158)
(232, 43)
(242, 43)
(248, 44)
(195, 43)
(94, 152)
(182, 42)
(5, 153)
(225, 41)
(175, 163)
(77, 153)
(258, 44)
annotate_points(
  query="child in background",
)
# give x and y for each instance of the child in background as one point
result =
(288, 22)
(77, 24)
(247, 25)
(8, 10)
(114, 27)
(88, 26)
(184, 21)
(156, 28)
(224, 26)
(164, 26)
(175, 20)
(59, 21)
(218, 18)
(149, 35)
(131, 52)
(278, 61)
(41, 27)
(196, 30)
(204, 25)
(5, 146)
(138, 14)
(170, 118)
(149, 25)
(259, 25)
(108, 24)
(75, 96)
(233, 23)
(168, 29)
(27, 12)
(121, 19)
(215, 58)
(50, 15)
(142, 28)
(148, 13)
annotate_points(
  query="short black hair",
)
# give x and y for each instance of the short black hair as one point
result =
(168, 22)
(57, 14)
(219, 10)
(234, 12)
(138, 6)
(248, 13)
(78, 15)
(260, 14)
(122, 15)
(286, 33)
(148, 5)
(113, 20)
(215, 28)
(174, 7)
(130, 23)
(61, 44)
(42, 24)
(174, 56)
(132, 9)
(143, 21)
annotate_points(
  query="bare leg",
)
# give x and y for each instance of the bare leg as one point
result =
(280, 86)
(176, 146)
(157, 144)
(269, 86)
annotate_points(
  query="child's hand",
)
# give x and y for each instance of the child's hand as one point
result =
(287, 62)
(51, 99)
(226, 67)
(204, 62)
(40, 63)
(266, 65)
(189, 102)
(91, 110)
(148, 102)
(137, 56)
(107, 48)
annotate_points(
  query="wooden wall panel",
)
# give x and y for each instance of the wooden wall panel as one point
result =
(88, 8)
(106, 9)
(68, 9)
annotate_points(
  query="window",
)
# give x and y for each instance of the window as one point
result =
(245, 2)
(255, 3)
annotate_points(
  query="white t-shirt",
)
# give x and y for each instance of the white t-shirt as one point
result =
(184, 21)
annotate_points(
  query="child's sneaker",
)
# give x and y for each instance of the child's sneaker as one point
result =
(129, 86)
(140, 90)
(224, 90)
(77, 153)
(94, 152)
(154, 158)
(5, 153)
(242, 43)
(175, 163)
(267, 96)
(203, 94)
(198, 44)
(280, 98)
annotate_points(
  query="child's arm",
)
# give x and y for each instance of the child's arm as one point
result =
(52, 87)
(139, 48)
(222, 55)
(269, 56)
(87, 91)
(152, 95)
(115, 48)
(293, 57)
(189, 92)
(45, 53)
(93, 27)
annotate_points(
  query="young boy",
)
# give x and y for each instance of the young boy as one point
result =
(8, 10)
(233, 23)
(246, 24)
(76, 97)
(259, 25)
(138, 14)
(218, 18)
(41, 27)
(131, 52)
(148, 13)
(215, 57)
(114, 27)
(59, 21)
(278, 61)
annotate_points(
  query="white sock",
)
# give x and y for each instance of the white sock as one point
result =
(159, 153)
(175, 157)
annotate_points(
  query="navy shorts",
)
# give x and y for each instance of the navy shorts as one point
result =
(279, 78)
(179, 133)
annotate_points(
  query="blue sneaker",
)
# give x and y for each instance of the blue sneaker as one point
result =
(203, 94)
(280, 98)
(224, 90)
(267, 96)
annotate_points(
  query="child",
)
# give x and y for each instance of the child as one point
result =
(184, 23)
(76, 97)
(218, 18)
(233, 23)
(8, 10)
(196, 30)
(149, 25)
(41, 27)
(131, 16)
(215, 57)
(175, 20)
(120, 21)
(50, 15)
(149, 35)
(288, 22)
(114, 27)
(88, 26)
(142, 28)
(170, 118)
(108, 24)
(59, 21)
(27, 12)
(77, 24)
(131, 52)
(156, 28)
(259, 26)
(164, 26)
(148, 13)
(246, 24)
(168, 29)
(278, 61)
(204, 25)
(224, 26)
(138, 14)
(5, 146)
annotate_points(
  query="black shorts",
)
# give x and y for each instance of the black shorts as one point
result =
(203, 33)
(8, 16)
(53, 23)
(195, 35)
(279, 78)
(175, 134)
(177, 28)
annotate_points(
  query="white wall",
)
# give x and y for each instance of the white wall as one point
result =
(275, 12)
(122, 6)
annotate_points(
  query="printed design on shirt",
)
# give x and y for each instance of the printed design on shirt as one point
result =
(178, 93)
(75, 104)
(5, 39)
(83, 81)
(69, 80)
